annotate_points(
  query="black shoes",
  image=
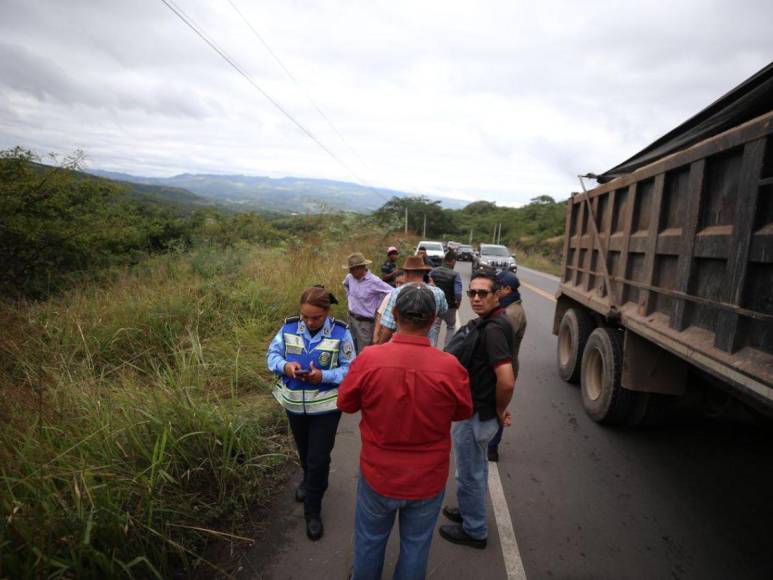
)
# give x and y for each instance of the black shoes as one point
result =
(314, 528)
(452, 514)
(493, 454)
(455, 534)
(300, 493)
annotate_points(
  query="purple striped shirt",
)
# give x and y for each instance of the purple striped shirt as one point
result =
(365, 295)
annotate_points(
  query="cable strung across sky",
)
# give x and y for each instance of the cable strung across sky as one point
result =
(188, 21)
(306, 94)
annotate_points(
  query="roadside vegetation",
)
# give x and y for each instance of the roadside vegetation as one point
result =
(136, 419)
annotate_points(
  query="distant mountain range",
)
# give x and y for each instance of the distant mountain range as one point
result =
(288, 194)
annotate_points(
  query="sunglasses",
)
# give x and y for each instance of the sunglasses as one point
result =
(480, 293)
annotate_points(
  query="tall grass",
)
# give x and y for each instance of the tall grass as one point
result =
(136, 422)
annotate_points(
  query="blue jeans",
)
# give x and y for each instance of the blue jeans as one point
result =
(373, 521)
(494, 443)
(470, 439)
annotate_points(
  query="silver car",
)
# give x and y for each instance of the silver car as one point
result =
(494, 257)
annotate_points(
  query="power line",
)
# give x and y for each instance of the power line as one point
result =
(213, 45)
(300, 87)
(292, 77)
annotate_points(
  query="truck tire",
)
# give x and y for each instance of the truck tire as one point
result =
(603, 396)
(573, 332)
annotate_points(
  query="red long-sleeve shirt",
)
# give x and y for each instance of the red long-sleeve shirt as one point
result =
(409, 393)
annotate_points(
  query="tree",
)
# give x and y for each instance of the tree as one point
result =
(480, 207)
(439, 221)
(55, 220)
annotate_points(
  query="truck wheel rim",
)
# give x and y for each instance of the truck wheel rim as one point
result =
(594, 375)
(564, 345)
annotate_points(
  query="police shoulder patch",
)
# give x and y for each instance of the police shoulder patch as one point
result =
(347, 349)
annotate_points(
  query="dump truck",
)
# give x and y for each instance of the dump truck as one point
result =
(667, 270)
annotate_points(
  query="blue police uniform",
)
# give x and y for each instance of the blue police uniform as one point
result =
(331, 349)
(311, 409)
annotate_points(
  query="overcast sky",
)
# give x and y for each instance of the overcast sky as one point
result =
(480, 100)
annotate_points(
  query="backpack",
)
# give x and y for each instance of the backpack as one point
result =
(444, 278)
(466, 339)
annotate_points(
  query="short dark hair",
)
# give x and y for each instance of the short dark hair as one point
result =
(422, 248)
(495, 285)
(450, 256)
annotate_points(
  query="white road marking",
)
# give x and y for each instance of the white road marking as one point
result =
(510, 553)
(538, 273)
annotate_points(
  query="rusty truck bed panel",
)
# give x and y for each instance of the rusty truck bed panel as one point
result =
(682, 250)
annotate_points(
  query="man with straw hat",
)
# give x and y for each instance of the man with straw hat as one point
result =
(364, 291)
(415, 269)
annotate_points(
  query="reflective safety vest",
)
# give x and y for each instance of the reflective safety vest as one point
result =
(302, 397)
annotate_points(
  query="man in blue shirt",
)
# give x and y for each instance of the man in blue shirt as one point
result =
(415, 268)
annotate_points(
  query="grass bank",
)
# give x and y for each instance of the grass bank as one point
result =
(539, 262)
(542, 255)
(136, 421)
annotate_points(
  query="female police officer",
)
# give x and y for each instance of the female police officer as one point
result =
(311, 353)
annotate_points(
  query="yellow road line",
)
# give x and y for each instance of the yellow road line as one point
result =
(539, 291)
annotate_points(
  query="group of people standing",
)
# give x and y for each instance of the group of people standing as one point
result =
(416, 402)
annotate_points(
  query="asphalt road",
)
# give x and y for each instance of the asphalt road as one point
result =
(686, 501)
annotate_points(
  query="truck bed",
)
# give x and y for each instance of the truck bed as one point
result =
(681, 253)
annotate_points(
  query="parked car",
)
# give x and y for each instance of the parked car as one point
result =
(453, 246)
(435, 251)
(464, 253)
(494, 257)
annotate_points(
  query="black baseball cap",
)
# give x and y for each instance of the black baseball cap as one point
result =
(415, 303)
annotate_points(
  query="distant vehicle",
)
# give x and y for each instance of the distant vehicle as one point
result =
(665, 293)
(494, 257)
(435, 251)
(464, 253)
(453, 246)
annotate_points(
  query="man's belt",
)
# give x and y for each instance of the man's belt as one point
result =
(361, 318)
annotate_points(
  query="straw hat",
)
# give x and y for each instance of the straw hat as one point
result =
(415, 263)
(356, 259)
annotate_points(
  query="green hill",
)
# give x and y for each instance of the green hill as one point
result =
(286, 194)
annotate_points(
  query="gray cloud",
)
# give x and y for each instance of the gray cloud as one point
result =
(499, 100)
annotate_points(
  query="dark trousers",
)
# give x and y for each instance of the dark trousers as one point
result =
(314, 436)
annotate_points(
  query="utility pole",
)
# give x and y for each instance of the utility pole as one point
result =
(470, 242)
(494, 235)
(406, 220)
(499, 234)
(424, 232)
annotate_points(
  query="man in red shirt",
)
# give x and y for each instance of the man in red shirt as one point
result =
(408, 393)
